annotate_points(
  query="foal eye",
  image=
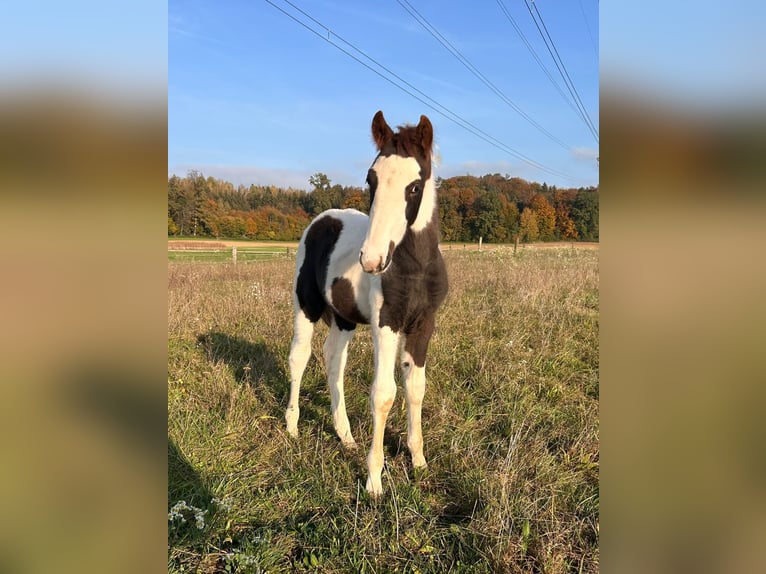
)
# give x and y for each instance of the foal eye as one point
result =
(414, 190)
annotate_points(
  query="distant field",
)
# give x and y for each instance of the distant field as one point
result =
(214, 250)
(219, 250)
(191, 241)
(510, 421)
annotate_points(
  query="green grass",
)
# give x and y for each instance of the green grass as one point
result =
(510, 423)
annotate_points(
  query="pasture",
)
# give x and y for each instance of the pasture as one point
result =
(510, 425)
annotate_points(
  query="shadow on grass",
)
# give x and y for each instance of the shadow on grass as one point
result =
(184, 482)
(257, 365)
(247, 360)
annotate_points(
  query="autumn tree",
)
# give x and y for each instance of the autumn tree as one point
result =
(528, 229)
(545, 215)
(562, 203)
(210, 212)
(469, 207)
(353, 198)
(565, 226)
(510, 217)
(521, 188)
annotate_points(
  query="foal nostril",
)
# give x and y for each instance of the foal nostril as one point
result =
(368, 266)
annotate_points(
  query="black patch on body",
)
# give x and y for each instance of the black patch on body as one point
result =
(320, 242)
(347, 313)
(413, 289)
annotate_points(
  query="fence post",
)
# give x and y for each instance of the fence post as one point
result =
(480, 238)
(516, 244)
(234, 255)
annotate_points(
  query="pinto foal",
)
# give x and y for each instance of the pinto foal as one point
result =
(385, 270)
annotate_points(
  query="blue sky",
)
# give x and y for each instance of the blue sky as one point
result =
(257, 95)
(704, 56)
(254, 97)
(117, 48)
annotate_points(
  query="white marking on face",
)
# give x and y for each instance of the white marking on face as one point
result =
(388, 220)
(427, 206)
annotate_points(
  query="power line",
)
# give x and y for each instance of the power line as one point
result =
(444, 111)
(431, 29)
(560, 65)
(537, 58)
(561, 68)
(587, 26)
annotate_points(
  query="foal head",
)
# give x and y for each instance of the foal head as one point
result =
(401, 189)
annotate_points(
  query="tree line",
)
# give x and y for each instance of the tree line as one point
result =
(494, 207)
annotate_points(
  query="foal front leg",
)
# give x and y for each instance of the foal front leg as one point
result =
(381, 398)
(414, 380)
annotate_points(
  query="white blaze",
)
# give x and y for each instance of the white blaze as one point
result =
(388, 221)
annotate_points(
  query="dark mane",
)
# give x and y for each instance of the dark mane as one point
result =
(407, 140)
(406, 143)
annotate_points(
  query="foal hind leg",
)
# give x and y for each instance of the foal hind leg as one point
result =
(300, 353)
(335, 354)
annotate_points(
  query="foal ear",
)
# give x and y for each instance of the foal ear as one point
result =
(381, 132)
(425, 134)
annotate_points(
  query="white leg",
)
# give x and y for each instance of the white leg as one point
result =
(300, 352)
(414, 380)
(335, 354)
(381, 398)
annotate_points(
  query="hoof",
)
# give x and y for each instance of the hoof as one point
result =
(419, 462)
(374, 487)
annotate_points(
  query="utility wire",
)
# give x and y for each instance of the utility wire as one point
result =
(537, 58)
(587, 26)
(431, 29)
(445, 112)
(560, 65)
(551, 46)
(534, 4)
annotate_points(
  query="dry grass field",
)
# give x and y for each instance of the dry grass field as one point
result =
(510, 424)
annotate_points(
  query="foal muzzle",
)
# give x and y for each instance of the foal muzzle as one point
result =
(377, 265)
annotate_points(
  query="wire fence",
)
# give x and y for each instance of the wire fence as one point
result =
(231, 254)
